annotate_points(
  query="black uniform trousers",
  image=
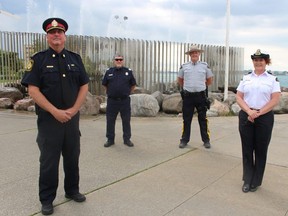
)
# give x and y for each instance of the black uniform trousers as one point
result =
(255, 138)
(114, 106)
(53, 139)
(190, 102)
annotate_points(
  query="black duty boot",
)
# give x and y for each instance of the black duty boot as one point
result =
(108, 143)
(47, 209)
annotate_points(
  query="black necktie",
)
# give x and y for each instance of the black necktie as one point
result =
(66, 89)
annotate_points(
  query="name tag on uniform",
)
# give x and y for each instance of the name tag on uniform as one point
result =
(49, 66)
(110, 74)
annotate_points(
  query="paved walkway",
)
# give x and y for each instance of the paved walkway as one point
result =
(154, 178)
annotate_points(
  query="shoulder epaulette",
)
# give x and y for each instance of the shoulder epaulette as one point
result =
(72, 52)
(128, 68)
(33, 54)
(40, 52)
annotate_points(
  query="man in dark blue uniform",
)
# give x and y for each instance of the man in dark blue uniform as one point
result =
(119, 83)
(58, 83)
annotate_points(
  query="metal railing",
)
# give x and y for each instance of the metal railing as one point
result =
(155, 63)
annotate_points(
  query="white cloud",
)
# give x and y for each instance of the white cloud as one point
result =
(253, 24)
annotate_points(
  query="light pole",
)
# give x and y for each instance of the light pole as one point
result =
(227, 51)
(122, 24)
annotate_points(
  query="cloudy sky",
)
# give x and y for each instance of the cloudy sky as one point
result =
(254, 24)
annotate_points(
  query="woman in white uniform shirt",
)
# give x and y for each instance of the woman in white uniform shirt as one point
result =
(257, 94)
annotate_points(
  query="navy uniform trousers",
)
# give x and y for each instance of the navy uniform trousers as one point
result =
(190, 102)
(255, 138)
(53, 139)
(114, 106)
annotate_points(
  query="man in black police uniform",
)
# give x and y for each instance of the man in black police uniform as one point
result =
(119, 83)
(58, 83)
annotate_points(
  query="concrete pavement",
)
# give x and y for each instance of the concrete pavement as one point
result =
(154, 178)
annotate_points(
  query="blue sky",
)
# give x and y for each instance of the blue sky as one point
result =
(254, 24)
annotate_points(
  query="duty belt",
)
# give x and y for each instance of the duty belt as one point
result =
(118, 98)
(187, 93)
(254, 109)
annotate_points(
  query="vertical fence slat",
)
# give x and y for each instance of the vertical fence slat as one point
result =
(155, 63)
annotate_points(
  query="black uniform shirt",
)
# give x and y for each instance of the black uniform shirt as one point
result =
(119, 82)
(44, 73)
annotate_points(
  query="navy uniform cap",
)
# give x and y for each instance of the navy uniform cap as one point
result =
(258, 54)
(54, 23)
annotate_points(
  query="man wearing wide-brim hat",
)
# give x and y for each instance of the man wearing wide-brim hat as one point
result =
(193, 48)
(194, 77)
(58, 83)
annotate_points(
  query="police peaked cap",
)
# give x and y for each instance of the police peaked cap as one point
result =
(258, 54)
(54, 23)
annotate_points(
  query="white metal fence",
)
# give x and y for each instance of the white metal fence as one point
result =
(155, 63)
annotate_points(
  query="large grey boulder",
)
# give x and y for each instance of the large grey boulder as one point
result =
(23, 104)
(10, 92)
(159, 97)
(144, 105)
(231, 99)
(218, 108)
(6, 103)
(235, 108)
(172, 103)
(91, 105)
(282, 106)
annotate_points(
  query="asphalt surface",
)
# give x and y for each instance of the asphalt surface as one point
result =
(153, 178)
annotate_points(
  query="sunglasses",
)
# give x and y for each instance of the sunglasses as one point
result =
(118, 59)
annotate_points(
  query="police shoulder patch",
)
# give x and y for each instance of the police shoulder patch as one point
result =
(29, 65)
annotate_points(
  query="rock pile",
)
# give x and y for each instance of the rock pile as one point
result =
(143, 104)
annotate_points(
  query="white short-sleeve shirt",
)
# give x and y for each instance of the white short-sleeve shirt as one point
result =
(257, 89)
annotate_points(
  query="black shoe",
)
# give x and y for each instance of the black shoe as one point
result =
(47, 209)
(207, 145)
(253, 188)
(109, 143)
(182, 145)
(128, 143)
(246, 187)
(76, 197)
